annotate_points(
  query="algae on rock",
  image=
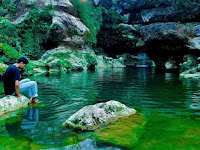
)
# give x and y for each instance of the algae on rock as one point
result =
(124, 132)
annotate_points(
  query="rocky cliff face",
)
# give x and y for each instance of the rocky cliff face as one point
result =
(65, 17)
(149, 11)
(166, 30)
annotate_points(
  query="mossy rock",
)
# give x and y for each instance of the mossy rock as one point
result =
(12, 103)
(72, 140)
(34, 66)
(124, 132)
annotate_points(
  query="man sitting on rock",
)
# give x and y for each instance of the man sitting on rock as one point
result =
(13, 85)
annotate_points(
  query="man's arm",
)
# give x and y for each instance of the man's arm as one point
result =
(17, 88)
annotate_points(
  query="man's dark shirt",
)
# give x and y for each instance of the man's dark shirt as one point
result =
(11, 75)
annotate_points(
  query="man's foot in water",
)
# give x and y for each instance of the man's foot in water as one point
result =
(34, 100)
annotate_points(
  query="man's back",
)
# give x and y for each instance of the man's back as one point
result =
(11, 75)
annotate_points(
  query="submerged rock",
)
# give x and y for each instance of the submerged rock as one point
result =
(94, 116)
(90, 144)
(11, 103)
(124, 132)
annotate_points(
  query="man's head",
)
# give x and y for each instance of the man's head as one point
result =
(22, 61)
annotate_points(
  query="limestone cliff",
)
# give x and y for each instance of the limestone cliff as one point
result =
(165, 29)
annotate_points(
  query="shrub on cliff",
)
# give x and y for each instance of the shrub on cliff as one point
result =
(34, 30)
(8, 54)
(8, 32)
(91, 17)
(7, 7)
(29, 36)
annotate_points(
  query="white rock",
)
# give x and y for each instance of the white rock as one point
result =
(195, 75)
(194, 43)
(94, 116)
(11, 103)
(69, 22)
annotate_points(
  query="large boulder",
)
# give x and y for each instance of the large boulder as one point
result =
(94, 116)
(162, 31)
(89, 144)
(169, 14)
(64, 59)
(11, 103)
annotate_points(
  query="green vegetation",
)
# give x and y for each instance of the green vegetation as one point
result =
(26, 38)
(9, 55)
(8, 7)
(8, 32)
(8, 42)
(33, 31)
(91, 17)
(124, 132)
(90, 59)
(111, 17)
(3, 68)
(170, 133)
(190, 65)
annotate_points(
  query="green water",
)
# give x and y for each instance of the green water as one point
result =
(171, 105)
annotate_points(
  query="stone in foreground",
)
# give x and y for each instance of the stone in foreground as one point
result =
(89, 144)
(11, 103)
(94, 116)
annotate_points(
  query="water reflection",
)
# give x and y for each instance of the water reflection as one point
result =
(64, 94)
(32, 118)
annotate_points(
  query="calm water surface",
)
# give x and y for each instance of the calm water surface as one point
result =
(171, 105)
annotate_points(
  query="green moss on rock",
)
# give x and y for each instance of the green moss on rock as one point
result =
(123, 132)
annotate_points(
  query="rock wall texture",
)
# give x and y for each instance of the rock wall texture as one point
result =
(65, 17)
(167, 30)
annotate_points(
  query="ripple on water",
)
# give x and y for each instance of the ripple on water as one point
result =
(153, 94)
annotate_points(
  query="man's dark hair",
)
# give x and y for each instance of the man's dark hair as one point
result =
(23, 59)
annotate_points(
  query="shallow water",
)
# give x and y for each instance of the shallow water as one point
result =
(171, 105)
